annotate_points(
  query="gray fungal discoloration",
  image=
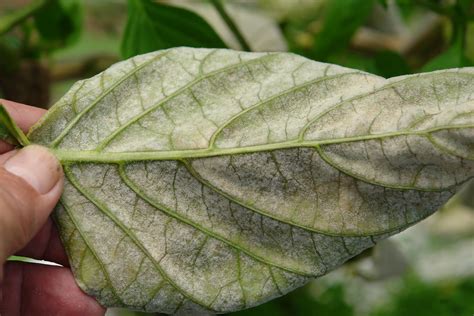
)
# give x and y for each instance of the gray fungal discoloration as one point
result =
(211, 180)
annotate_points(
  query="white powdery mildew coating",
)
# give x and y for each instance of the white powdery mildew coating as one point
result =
(109, 248)
(86, 92)
(171, 188)
(457, 142)
(203, 181)
(424, 166)
(190, 119)
(284, 116)
(413, 108)
(412, 100)
(296, 186)
(134, 99)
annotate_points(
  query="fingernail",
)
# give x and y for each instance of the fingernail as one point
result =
(37, 166)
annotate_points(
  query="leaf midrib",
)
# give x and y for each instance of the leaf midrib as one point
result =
(68, 156)
(123, 158)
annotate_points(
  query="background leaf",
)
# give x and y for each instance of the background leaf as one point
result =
(342, 18)
(59, 22)
(390, 64)
(260, 30)
(152, 26)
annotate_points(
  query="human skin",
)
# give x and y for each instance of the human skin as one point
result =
(31, 182)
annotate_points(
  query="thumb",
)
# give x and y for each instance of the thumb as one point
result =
(31, 182)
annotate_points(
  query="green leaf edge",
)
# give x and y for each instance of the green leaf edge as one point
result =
(10, 131)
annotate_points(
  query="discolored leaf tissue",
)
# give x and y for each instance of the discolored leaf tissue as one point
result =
(215, 180)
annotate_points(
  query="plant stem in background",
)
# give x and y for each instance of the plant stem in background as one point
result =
(231, 24)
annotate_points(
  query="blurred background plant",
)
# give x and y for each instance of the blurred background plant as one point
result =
(47, 45)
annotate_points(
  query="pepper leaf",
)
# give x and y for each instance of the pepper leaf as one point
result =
(215, 180)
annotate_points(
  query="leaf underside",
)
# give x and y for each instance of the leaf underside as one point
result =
(215, 180)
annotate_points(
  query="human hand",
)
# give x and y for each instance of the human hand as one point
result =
(31, 182)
